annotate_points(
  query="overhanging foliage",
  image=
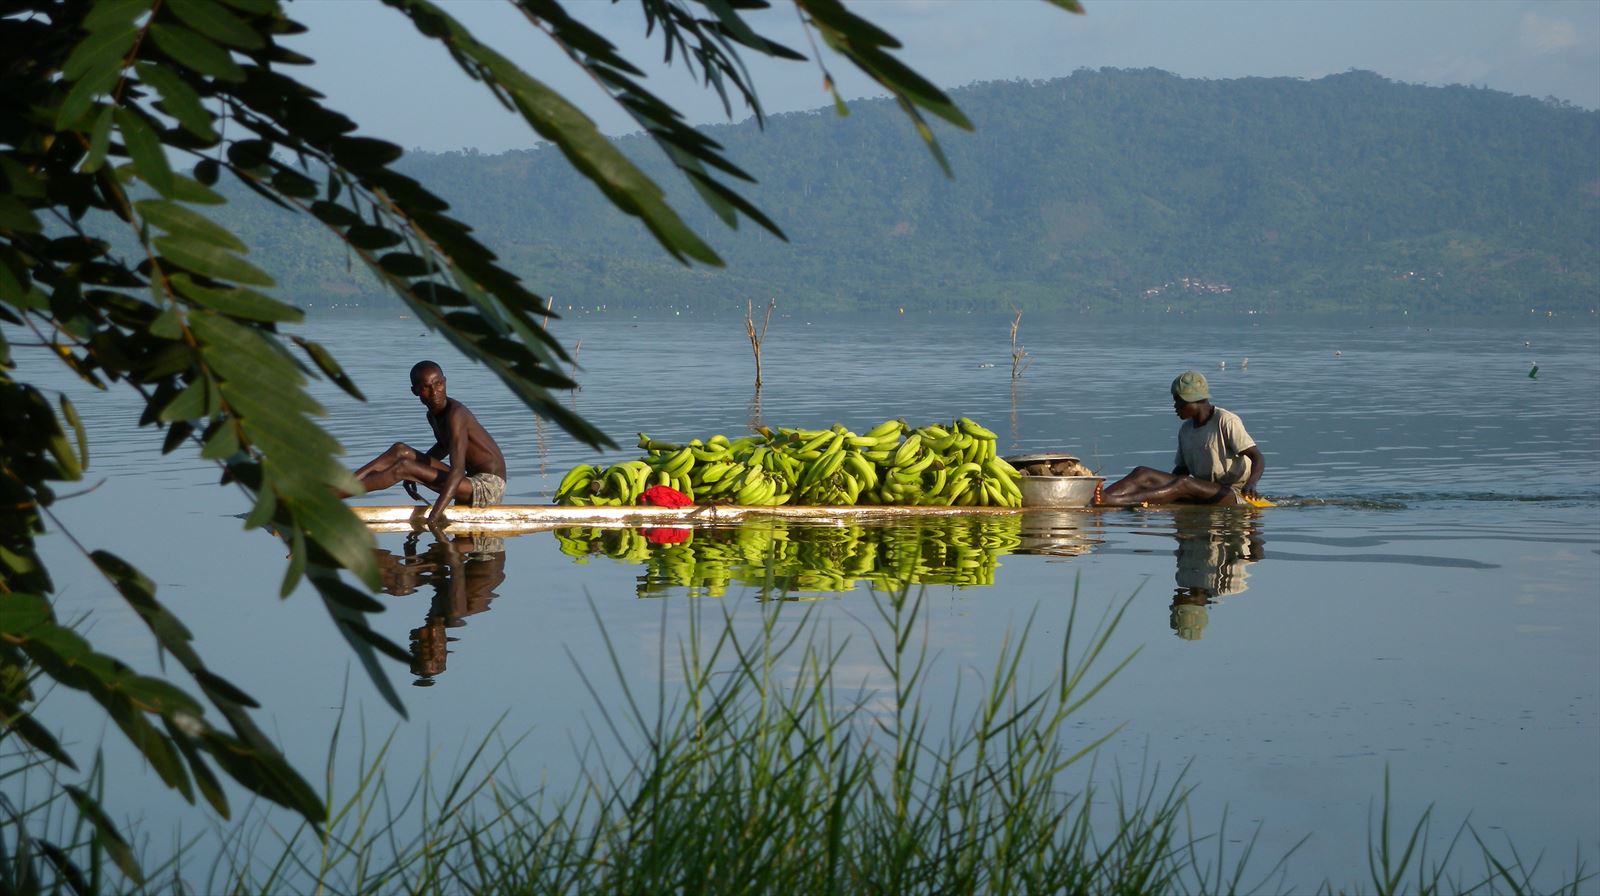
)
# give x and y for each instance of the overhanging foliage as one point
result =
(118, 119)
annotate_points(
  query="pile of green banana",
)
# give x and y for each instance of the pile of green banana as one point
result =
(932, 465)
(792, 559)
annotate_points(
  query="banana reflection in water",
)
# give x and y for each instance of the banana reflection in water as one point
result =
(463, 573)
(961, 551)
(1214, 550)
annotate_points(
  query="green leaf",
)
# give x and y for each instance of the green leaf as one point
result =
(20, 722)
(187, 189)
(353, 626)
(144, 147)
(365, 152)
(256, 7)
(334, 214)
(210, 261)
(101, 50)
(177, 433)
(384, 645)
(266, 505)
(369, 237)
(219, 688)
(139, 592)
(105, 833)
(297, 562)
(261, 769)
(209, 786)
(405, 264)
(181, 221)
(223, 442)
(82, 96)
(330, 368)
(250, 357)
(70, 411)
(206, 171)
(194, 52)
(336, 530)
(158, 695)
(114, 13)
(99, 140)
(355, 599)
(166, 325)
(250, 154)
(590, 151)
(179, 100)
(239, 302)
(192, 402)
(216, 23)
(293, 183)
(15, 215)
(21, 613)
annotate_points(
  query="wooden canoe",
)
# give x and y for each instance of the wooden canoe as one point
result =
(515, 518)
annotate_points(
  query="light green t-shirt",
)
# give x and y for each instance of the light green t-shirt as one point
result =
(1212, 452)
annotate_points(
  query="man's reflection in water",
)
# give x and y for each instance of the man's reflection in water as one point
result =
(1214, 549)
(463, 571)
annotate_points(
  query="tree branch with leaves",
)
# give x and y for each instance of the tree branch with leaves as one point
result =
(117, 121)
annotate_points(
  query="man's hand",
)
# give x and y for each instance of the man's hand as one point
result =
(436, 514)
(1249, 490)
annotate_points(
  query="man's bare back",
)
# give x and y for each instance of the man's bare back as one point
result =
(476, 473)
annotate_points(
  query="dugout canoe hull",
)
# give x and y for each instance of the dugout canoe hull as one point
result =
(515, 518)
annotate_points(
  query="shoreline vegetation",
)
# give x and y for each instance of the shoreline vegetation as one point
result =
(765, 772)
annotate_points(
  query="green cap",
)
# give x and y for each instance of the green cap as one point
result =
(1190, 386)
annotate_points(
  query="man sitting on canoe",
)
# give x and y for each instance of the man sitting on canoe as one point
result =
(476, 474)
(1217, 461)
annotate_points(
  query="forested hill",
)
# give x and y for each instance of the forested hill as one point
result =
(1134, 190)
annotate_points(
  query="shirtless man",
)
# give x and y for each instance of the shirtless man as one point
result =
(1217, 461)
(476, 474)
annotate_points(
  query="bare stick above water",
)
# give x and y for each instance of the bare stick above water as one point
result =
(1019, 355)
(757, 338)
(538, 420)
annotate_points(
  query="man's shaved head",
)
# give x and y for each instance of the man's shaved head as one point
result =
(423, 367)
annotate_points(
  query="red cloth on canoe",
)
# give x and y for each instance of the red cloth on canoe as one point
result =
(664, 496)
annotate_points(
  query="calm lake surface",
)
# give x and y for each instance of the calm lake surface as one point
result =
(1425, 599)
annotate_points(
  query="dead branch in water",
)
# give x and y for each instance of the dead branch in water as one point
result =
(576, 387)
(1019, 355)
(538, 419)
(757, 338)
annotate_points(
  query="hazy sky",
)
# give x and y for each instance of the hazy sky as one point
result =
(397, 85)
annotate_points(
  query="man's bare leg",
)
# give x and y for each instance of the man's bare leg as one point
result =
(397, 452)
(1147, 485)
(425, 471)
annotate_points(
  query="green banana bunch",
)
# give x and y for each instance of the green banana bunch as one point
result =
(892, 463)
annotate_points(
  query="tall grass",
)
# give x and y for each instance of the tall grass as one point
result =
(760, 771)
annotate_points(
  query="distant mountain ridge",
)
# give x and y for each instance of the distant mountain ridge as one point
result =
(1105, 190)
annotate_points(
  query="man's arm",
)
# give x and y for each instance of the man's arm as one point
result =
(456, 432)
(1258, 465)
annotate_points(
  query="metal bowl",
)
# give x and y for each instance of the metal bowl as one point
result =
(1058, 491)
(1048, 457)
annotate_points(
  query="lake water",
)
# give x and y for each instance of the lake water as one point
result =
(1425, 599)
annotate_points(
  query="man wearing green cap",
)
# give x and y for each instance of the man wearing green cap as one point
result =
(1217, 461)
